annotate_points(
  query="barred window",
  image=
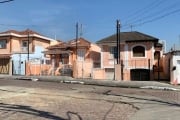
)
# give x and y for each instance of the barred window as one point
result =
(138, 51)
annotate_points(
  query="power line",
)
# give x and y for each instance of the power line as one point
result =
(168, 8)
(161, 16)
(139, 17)
(26, 25)
(144, 10)
(5, 1)
(162, 13)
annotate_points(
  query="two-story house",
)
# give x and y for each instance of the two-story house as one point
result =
(139, 53)
(76, 58)
(20, 46)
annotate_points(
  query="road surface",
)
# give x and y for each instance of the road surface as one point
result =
(27, 100)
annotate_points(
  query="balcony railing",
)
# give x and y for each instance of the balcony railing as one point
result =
(24, 49)
(147, 63)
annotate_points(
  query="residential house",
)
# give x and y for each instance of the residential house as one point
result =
(19, 47)
(139, 56)
(171, 63)
(76, 58)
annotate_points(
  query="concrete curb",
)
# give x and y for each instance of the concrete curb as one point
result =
(109, 83)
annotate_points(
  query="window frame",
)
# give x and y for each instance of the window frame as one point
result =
(112, 52)
(4, 46)
(157, 55)
(23, 42)
(139, 45)
(81, 54)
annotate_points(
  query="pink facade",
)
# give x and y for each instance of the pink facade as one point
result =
(19, 43)
(137, 56)
(76, 58)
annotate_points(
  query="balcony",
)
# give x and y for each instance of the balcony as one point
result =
(138, 63)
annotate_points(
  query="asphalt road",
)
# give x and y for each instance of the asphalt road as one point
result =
(28, 100)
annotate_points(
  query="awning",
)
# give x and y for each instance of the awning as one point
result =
(5, 55)
(53, 52)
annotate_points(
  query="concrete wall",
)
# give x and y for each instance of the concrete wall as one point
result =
(175, 69)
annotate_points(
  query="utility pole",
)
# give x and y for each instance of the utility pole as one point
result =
(118, 41)
(77, 39)
(28, 46)
(179, 42)
(81, 31)
(77, 48)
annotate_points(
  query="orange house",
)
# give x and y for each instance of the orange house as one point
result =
(76, 58)
(139, 57)
(20, 46)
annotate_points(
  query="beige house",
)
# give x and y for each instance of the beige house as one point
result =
(19, 46)
(139, 57)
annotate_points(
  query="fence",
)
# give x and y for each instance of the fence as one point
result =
(38, 69)
(82, 69)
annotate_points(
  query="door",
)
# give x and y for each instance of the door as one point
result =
(140, 74)
(19, 67)
(4, 65)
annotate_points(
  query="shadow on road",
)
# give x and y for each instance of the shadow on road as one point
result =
(28, 110)
(71, 114)
(153, 100)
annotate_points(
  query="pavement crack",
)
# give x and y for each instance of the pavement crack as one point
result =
(12, 91)
(106, 92)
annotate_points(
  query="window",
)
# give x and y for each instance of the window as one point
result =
(156, 55)
(24, 46)
(113, 52)
(138, 51)
(81, 54)
(24, 43)
(3, 43)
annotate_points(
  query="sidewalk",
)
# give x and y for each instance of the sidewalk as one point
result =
(108, 83)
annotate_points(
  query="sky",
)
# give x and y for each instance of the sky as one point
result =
(57, 18)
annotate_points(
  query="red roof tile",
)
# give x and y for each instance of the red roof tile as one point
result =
(24, 32)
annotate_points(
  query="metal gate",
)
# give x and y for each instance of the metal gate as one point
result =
(140, 74)
(4, 65)
(19, 67)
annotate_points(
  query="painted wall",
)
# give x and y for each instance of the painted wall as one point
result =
(175, 69)
(129, 62)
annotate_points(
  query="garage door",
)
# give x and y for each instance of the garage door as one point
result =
(109, 73)
(4, 65)
(140, 74)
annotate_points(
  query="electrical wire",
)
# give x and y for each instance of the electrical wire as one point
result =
(162, 13)
(5, 1)
(140, 12)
